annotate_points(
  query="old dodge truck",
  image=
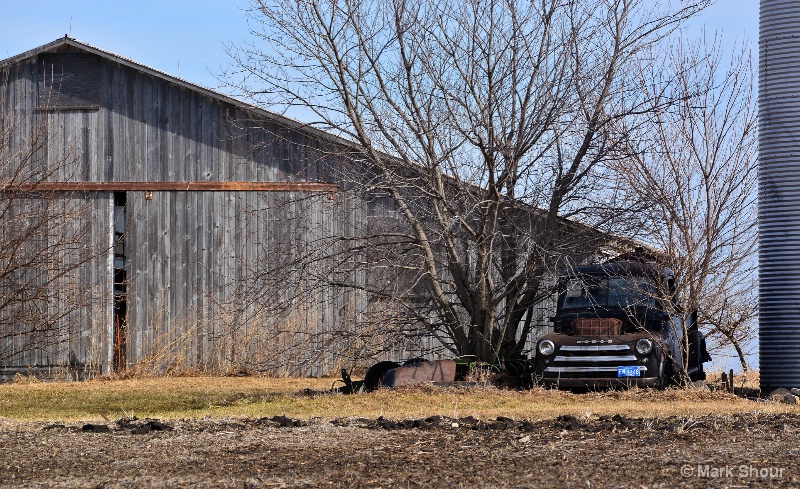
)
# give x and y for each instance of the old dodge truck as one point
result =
(620, 324)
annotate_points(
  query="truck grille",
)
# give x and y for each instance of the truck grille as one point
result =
(598, 358)
(596, 348)
(595, 361)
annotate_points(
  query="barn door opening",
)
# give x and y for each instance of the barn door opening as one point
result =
(120, 280)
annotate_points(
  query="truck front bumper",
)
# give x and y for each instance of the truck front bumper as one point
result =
(599, 383)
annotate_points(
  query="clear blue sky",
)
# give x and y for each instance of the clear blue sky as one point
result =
(169, 35)
(186, 38)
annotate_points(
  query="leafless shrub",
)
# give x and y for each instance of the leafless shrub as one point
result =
(692, 168)
(47, 251)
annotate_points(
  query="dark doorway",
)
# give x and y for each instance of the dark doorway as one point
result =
(120, 280)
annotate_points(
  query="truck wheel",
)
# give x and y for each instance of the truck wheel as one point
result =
(374, 377)
(698, 375)
(676, 375)
(664, 377)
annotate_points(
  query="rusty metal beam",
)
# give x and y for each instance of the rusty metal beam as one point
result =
(171, 186)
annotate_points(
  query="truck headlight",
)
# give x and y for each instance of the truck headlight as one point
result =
(546, 348)
(644, 346)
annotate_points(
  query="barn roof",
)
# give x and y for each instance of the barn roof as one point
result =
(74, 43)
(287, 122)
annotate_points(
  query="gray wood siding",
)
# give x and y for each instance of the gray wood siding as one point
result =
(188, 252)
(66, 280)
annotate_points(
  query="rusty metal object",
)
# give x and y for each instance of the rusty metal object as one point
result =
(437, 371)
(171, 186)
(597, 327)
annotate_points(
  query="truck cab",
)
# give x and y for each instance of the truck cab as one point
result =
(619, 324)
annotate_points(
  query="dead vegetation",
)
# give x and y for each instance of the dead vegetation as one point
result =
(288, 432)
(257, 396)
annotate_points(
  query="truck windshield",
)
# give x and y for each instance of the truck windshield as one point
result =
(610, 292)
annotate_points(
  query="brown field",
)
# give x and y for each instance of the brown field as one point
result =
(265, 432)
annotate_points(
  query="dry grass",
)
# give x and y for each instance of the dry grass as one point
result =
(195, 397)
(746, 380)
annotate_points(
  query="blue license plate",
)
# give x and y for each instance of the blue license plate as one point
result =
(633, 371)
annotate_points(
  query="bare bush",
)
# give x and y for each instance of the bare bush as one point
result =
(692, 168)
(45, 247)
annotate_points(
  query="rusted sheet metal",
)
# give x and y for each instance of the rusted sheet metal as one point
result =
(172, 186)
(597, 327)
(438, 371)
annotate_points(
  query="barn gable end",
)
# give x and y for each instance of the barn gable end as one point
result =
(159, 267)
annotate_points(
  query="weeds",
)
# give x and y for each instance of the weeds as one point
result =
(258, 396)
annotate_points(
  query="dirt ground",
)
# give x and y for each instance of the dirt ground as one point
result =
(746, 450)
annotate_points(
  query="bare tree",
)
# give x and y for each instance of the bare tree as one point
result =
(45, 242)
(693, 169)
(485, 125)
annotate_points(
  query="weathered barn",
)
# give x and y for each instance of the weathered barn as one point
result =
(163, 179)
(168, 170)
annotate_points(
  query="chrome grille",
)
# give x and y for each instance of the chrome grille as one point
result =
(619, 359)
(590, 348)
(591, 361)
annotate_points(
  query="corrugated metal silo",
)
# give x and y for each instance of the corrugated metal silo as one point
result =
(779, 193)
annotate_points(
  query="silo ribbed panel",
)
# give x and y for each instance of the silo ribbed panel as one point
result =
(779, 193)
